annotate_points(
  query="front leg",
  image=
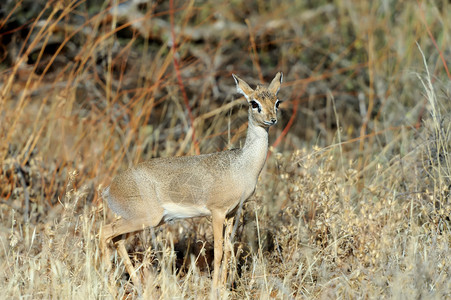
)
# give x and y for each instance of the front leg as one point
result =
(218, 223)
(228, 247)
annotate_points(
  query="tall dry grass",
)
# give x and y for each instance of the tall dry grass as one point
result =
(354, 201)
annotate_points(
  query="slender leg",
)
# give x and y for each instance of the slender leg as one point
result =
(106, 234)
(114, 229)
(120, 227)
(227, 251)
(128, 264)
(218, 223)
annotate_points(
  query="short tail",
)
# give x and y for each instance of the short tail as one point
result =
(111, 203)
(106, 194)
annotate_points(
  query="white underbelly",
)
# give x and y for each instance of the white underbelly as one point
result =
(174, 211)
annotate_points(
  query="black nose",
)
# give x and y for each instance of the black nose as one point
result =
(273, 121)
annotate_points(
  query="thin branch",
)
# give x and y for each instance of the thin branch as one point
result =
(179, 77)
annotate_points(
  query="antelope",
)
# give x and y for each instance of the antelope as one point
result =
(165, 189)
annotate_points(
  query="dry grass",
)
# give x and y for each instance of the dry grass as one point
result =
(354, 201)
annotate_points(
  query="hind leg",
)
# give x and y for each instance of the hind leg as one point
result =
(119, 228)
(128, 264)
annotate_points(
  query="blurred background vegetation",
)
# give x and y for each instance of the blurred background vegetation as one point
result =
(354, 201)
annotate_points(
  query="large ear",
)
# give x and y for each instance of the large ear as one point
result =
(242, 87)
(274, 87)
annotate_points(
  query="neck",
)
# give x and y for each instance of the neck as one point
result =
(255, 148)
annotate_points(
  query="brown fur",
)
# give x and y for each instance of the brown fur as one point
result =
(164, 189)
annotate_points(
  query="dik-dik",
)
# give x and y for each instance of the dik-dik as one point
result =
(166, 189)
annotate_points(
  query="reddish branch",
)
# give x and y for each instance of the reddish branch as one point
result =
(290, 122)
(179, 77)
(423, 18)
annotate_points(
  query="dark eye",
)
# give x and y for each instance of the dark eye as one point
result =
(255, 105)
(278, 103)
